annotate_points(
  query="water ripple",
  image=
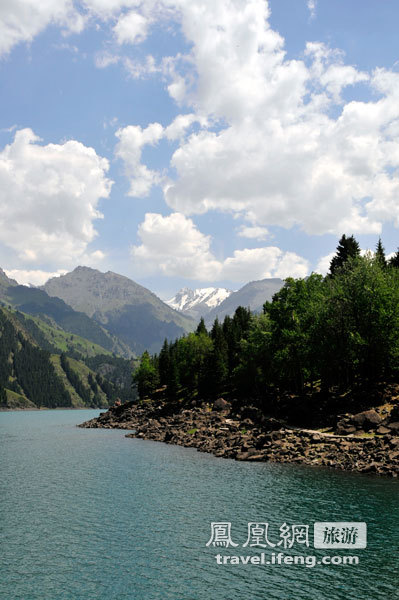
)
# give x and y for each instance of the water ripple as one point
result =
(91, 515)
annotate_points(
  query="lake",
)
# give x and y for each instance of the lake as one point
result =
(88, 514)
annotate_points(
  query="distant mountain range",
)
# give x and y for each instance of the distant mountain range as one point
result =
(123, 308)
(253, 295)
(197, 303)
(87, 312)
(66, 344)
(55, 313)
(219, 302)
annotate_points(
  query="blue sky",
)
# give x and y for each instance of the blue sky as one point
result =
(194, 143)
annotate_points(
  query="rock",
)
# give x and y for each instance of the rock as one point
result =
(370, 468)
(345, 429)
(256, 457)
(359, 433)
(221, 405)
(383, 430)
(242, 456)
(270, 424)
(245, 437)
(252, 451)
(368, 419)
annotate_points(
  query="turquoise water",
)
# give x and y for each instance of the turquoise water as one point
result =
(89, 514)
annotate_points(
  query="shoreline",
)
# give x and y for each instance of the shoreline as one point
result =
(45, 408)
(250, 436)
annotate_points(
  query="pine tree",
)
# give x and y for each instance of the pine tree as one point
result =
(218, 364)
(347, 248)
(172, 380)
(201, 327)
(3, 397)
(146, 376)
(394, 260)
(380, 254)
(164, 363)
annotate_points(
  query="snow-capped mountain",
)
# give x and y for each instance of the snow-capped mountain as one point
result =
(199, 302)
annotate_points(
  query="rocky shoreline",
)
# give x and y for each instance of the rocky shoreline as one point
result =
(367, 442)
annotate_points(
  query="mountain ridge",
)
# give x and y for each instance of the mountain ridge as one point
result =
(199, 301)
(252, 295)
(121, 306)
(38, 303)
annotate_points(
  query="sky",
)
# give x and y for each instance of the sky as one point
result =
(196, 143)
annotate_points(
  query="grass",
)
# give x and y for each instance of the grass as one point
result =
(69, 342)
(83, 371)
(76, 400)
(15, 400)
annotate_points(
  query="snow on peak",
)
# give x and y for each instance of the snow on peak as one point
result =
(187, 299)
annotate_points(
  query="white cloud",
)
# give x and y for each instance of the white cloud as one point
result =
(282, 159)
(103, 60)
(49, 198)
(262, 263)
(22, 20)
(129, 149)
(173, 246)
(254, 233)
(323, 266)
(131, 28)
(178, 128)
(286, 149)
(132, 140)
(290, 153)
(312, 5)
(106, 9)
(139, 69)
(34, 277)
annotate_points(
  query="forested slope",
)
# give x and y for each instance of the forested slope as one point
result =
(36, 374)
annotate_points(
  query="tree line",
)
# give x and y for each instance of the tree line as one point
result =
(27, 369)
(329, 335)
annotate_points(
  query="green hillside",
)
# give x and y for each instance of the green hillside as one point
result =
(37, 374)
(59, 339)
(54, 311)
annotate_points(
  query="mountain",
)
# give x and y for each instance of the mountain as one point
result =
(197, 303)
(122, 307)
(5, 281)
(252, 295)
(50, 336)
(56, 313)
(35, 375)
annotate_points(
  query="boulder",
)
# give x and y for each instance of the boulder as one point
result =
(221, 405)
(368, 419)
(344, 429)
(383, 430)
